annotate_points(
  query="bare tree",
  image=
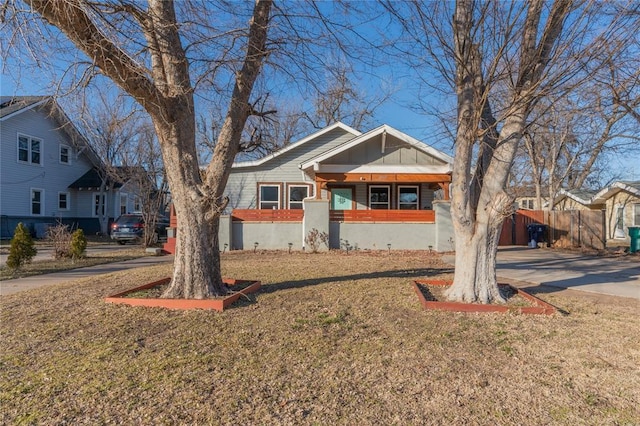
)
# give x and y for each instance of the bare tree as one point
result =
(141, 50)
(502, 59)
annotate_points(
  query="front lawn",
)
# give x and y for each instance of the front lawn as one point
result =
(330, 339)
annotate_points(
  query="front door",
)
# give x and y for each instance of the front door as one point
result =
(341, 198)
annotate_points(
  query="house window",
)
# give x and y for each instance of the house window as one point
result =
(379, 197)
(137, 204)
(37, 202)
(123, 203)
(65, 154)
(99, 205)
(526, 204)
(636, 214)
(620, 222)
(297, 193)
(408, 198)
(29, 149)
(269, 196)
(63, 201)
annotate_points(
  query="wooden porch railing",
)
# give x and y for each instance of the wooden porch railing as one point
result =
(267, 215)
(417, 216)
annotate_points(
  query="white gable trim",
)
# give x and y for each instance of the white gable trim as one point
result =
(375, 132)
(381, 168)
(613, 189)
(26, 108)
(320, 132)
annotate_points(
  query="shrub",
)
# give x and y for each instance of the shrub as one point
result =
(22, 248)
(78, 244)
(60, 238)
(314, 238)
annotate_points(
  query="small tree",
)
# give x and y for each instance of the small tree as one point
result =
(78, 244)
(22, 248)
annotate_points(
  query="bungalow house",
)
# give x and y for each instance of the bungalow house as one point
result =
(620, 202)
(622, 208)
(377, 190)
(48, 170)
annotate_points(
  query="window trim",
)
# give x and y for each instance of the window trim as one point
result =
(68, 201)
(126, 204)
(636, 214)
(31, 192)
(389, 196)
(417, 203)
(69, 154)
(94, 213)
(297, 185)
(30, 140)
(276, 184)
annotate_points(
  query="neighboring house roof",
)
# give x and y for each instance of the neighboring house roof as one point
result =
(582, 196)
(11, 106)
(382, 130)
(301, 142)
(632, 187)
(91, 179)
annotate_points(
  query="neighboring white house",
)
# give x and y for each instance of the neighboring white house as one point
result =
(45, 165)
(374, 190)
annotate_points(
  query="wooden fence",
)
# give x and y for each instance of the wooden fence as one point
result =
(415, 216)
(569, 228)
(267, 215)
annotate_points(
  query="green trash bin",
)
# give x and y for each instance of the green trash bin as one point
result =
(634, 233)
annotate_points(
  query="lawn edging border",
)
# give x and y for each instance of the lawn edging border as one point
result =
(218, 304)
(540, 307)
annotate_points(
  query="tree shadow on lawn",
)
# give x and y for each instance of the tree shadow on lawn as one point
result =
(410, 273)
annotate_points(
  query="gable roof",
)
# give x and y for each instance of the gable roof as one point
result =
(582, 196)
(420, 146)
(14, 105)
(10, 106)
(338, 125)
(632, 187)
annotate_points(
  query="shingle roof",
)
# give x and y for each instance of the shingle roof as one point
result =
(12, 104)
(91, 179)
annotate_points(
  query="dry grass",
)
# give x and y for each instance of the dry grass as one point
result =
(330, 339)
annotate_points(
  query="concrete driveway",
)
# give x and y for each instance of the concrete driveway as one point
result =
(594, 274)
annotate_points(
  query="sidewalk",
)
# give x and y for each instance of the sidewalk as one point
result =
(576, 271)
(21, 284)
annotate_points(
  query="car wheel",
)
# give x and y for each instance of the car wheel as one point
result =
(121, 242)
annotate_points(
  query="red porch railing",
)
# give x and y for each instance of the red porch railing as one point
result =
(270, 215)
(417, 216)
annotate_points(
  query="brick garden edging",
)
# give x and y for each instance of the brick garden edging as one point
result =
(540, 306)
(218, 304)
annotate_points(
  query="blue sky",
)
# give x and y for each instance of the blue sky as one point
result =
(399, 111)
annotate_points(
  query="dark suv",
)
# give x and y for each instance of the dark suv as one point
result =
(130, 227)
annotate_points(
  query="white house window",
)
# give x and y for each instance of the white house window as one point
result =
(379, 197)
(636, 214)
(99, 205)
(408, 198)
(137, 204)
(123, 203)
(63, 201)
(297, 193)
(526, 204)
(37, 202)
(29, 149)
(65, 154)
(269, 196)
(619, 231)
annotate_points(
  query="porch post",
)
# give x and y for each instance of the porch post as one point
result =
(316, 216)
(444, 226)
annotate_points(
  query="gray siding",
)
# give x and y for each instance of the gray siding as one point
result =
(396, 152)
(242, 187)
(51, 176)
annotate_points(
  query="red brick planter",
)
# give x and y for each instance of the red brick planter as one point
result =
(218, 304)
(539, 306)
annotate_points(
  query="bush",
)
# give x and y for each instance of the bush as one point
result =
(22, 248)
(60, 237)
(314, 238)
(78, 244)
